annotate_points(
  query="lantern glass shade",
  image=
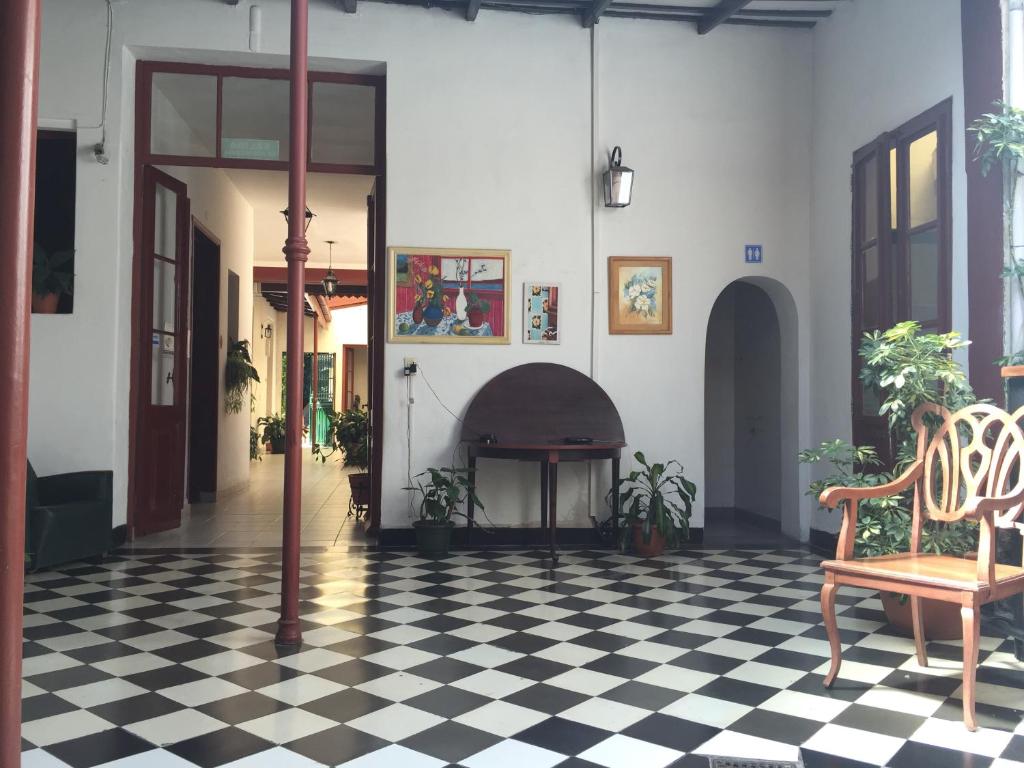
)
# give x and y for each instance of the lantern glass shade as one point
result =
(618, 182)
(330, 283)
(308, 216)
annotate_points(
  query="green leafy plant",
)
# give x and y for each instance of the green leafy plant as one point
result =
(349, 431)
(51, 271)
(475, 302)
(273, 428)
(238, 373)
(999, 142)
(441, 495)
(254, 445)
(658, 497)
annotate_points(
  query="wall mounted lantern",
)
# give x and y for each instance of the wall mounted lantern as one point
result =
(266, 330)
(618, 182)
(309, 217)
(330, 282)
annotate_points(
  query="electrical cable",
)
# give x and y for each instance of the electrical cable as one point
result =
(106, 75)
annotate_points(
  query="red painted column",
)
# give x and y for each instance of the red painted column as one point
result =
(296, 251)
(316, 378)
(19, 88)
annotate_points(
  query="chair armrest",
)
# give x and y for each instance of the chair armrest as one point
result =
(832, 497)
(976, 505)
(76, 487)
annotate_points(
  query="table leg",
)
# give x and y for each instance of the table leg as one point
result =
(616, 507)
(471, 469)
(553, 509)
(543, 495)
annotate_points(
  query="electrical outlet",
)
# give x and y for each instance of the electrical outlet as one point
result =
(410, 366)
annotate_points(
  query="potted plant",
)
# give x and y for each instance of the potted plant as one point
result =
(238, 372)
(350, 432)
(51, 278)
(476, 309)
(907, 368)
(999, 143)
(445, 490)
(431, 304)
(254, 444)
(656, 502)
(273, 432)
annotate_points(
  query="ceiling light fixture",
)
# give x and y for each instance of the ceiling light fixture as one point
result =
(330, 282)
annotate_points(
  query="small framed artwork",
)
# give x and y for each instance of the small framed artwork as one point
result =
(639, 294)
(540, 313)
(448, 295)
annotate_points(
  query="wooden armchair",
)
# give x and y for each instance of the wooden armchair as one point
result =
(968, 467)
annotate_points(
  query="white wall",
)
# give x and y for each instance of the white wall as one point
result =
(876, 65)
(721, 129)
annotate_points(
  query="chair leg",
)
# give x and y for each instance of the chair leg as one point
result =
(972, 631)
(828, 613)
(917, 612)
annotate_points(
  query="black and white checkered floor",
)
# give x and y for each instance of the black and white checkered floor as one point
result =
(487, 660)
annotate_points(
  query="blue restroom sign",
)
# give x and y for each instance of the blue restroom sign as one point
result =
(753, 254)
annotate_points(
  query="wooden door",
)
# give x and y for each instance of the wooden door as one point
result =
(161, 373)
(204, 367)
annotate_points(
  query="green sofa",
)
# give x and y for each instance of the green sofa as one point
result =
(68, 517)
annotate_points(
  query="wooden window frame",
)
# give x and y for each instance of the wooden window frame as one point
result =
(894, 257)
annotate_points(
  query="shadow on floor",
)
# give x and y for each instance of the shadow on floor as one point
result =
(729, 528)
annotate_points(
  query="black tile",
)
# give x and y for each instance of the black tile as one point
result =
(450, 741)
(679, 639)
(671, 732)
(758, 637)
(355, 672)
(875, 720)
(136, 708)
(1014, 750)
(358, 647)
(441, 623)
(776, 726)
(44, 705)
(987, 715)
(97, 748)
(165, 677)
(346, 705)
(589, 621)
(604, 641)
(564, 736)
(447, 702)
(709, 662)
(442, 645)
(914, 755)
(652, 697)
(103, 652)
(219, 747)
(738, 691)
(621, 666)
(524, 642)
(790, 659)
(444, 670)
(261, 675)
(842, 690)
(242, 708)
(514, 621)
(534, 668)
(68, 678)
(814, 759)
(920, 682)
(190, 651)
(546, 698)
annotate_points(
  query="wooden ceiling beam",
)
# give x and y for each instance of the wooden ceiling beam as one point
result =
(719, 14)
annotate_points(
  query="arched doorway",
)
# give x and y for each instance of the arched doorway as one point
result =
(747, 420)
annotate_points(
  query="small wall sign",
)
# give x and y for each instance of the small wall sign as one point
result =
(753, 254)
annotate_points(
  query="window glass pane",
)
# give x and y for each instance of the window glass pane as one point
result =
(184, 113)
(871, 289)
(924, 180)
(165, 223)
(343, 123)
(869, 199)
(894, 209)
(924, 277)
(255, 120)
(871, 400)
(164, 295)
(162, 384)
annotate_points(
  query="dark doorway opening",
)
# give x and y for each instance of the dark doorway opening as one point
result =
(743, 421)
(204, 378)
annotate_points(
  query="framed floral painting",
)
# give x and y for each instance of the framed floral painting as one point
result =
(448, 295)
(639, 294)
(540, 313)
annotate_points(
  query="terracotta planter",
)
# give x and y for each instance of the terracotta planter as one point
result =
(45, 303)
(653, 548)
(417, 314)
(475, 318)
(941, 620)
(359, 484)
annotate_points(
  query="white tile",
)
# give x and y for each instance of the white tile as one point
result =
(302, 689)
(953, 735)
(765, 674)
(222, 663)
(858, 671)
(155, 758)
(476, 613)
(389, 757)
(287, 725)
(493, 683)
(633, 630)
(480, 633)
(157, 640)
(73, 641)
(586, 681)
(202, 691)
(326, 635)
(651, 651)
(900, 700)
(403, 634)
(805, 705)
(93, 694)
(278, 757)
(398, 686)
(70, 725)
(676, 678)
(624, 752)
(400, 657)
(396, 722)
(47, 662)
(514, 754)
(38, 758)
(704, 709)
(570, 653)
(855, 744)
(131, 665)
(555, 630)
(733, 649)
(602, 713)
(175, 727)
(28, 690)
(313, 660)
(501, 718)
(740, 745)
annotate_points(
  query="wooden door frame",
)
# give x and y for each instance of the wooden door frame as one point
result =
(198, 226)
(344, 371)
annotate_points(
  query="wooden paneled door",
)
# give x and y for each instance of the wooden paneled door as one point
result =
(161, 372)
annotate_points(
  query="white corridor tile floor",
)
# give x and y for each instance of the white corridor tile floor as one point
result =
(487, 660)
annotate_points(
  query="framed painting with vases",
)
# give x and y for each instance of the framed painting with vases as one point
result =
(639, 294)
(448, 295)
